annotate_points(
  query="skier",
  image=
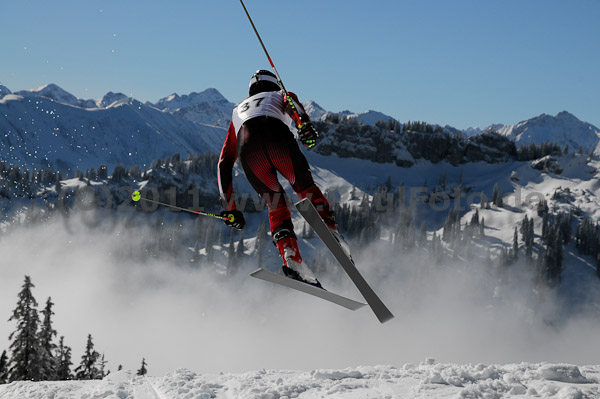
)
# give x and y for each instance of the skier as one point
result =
(259, 135)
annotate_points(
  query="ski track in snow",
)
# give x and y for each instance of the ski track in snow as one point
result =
(426, 380)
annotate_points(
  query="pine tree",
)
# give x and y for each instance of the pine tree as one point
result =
(3, 368)
(25, 346)
(63, 369)
(515, 248)
(196, 253)
(143, 370)
(495, 193)
(261, 242)
(498, 202)
(530, 238)
(475, 218)
(58, 186)
(102, 367)
(231, 261)
(48, 362)
(88, 368)
(239, 251)
(208, 245)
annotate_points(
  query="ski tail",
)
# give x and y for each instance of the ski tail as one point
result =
(308, 211)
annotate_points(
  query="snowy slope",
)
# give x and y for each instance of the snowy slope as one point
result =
(426, 380)
(40, 130)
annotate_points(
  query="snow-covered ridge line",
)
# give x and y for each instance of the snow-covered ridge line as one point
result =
(91, 132)
(48, 127)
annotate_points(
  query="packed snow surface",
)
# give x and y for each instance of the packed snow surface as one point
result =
(426, 380)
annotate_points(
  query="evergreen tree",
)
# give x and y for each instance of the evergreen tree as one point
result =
(475, 218)
(3, 368)
(498, 201)
(208, 245)
(102, 367)
(58, 186)
(231, 261)
(495, 192)
(64, 363)
(119, 173)
(239, 251)
(261, 242)
(515, 247)
(25, 346)
(542, 208)
(48, 362)
(102, 172)
(143, 370)
(88, 368)
(422, 237)
(530, 238)
(196, 253)
(388, 184)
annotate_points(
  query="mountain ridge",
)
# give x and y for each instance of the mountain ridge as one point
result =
(183, 123)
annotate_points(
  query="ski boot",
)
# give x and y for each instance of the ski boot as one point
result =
(293, 266)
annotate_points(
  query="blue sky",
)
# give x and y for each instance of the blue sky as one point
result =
(463, 63)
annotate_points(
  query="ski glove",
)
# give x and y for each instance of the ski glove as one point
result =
(234, 219)
(308, 135)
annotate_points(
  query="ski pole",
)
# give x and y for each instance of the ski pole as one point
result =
(136, 196)
(290, 101)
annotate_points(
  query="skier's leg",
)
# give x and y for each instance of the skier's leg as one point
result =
(288, 159)
(292, 164)
(263, 178)
(260, 172)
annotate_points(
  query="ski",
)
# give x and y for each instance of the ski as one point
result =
(310, 214)
(307, 288)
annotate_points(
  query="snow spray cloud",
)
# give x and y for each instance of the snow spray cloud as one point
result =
(179, 316)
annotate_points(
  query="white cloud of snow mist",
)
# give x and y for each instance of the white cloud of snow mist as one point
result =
(176, 316)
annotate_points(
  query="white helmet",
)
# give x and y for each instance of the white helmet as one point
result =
(262, 81)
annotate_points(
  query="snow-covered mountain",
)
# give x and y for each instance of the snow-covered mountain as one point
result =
(4, 91)
(369, 117)
(175, 101)
(108, 99)
(207, 107)
(564, 129)
(314, 110)
(50, 127)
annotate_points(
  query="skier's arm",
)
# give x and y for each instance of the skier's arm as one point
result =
(225, 169)
(306, 133)
(299, 117)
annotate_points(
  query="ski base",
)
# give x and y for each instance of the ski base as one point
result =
(310, 214)
(307, 288)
